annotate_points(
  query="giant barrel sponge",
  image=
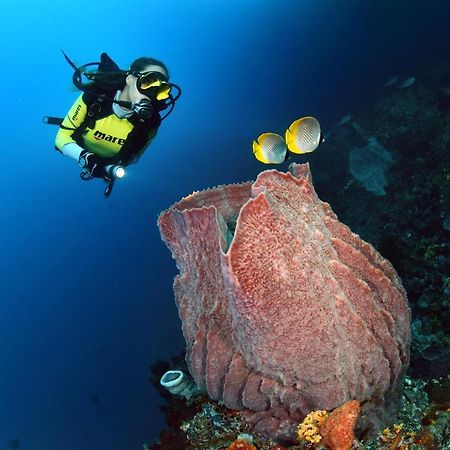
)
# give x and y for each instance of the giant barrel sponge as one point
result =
(284, 310)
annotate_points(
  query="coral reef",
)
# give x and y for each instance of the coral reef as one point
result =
(176, 409)
(335, 431)
(422, 424)
(410, 225)
(202, 429)
(423, 421)
(291, 314)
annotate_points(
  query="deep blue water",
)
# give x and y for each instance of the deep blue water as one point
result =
(86, 301)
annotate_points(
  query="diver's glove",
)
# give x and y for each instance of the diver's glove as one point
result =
(92, 164)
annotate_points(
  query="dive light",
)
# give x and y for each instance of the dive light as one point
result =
(113, 171)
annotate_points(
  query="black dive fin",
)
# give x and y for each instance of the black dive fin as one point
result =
(107, 64)
(71, 63)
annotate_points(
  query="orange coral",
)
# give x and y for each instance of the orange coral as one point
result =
(426, 439)
(241, 444)
(338, 430)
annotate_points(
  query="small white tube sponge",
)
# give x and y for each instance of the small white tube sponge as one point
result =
(178, 383)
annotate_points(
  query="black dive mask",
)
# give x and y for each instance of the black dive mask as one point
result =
(154, 85)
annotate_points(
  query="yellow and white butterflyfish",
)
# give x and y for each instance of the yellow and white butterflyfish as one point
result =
(270, 148)
(304, 135)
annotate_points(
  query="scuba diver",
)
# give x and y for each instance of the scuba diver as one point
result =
(116, 117)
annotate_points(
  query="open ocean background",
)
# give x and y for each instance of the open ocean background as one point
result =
(86, 301)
